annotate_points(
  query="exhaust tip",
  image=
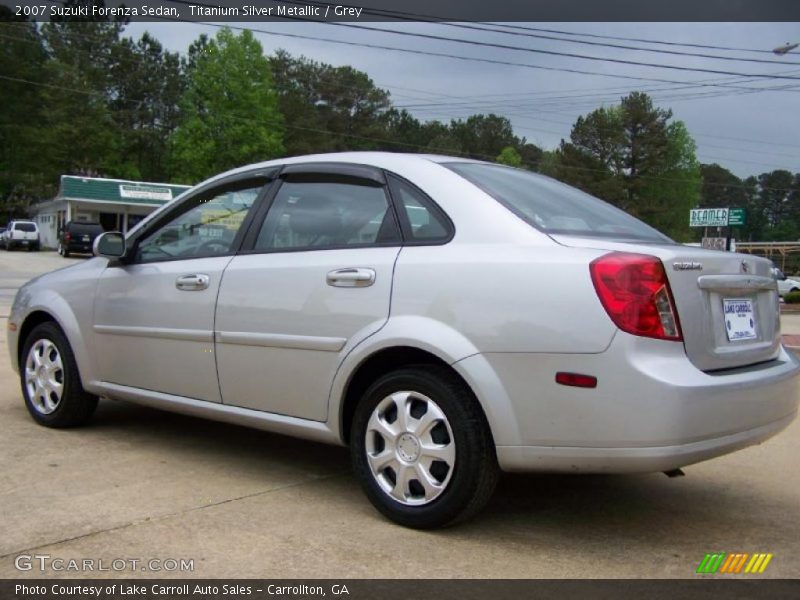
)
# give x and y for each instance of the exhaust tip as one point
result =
(675, 473)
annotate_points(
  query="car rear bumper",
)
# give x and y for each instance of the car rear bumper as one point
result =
(652, 409)
(632, 460)
(81, 248)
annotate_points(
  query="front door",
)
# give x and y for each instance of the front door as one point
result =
(154, 315)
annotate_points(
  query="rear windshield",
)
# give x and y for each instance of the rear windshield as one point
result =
(554, 207)
(81, 228)
(24, 227)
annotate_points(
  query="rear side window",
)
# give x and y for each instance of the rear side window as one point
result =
(28, 227)
(425, 222)
(313, 215)
(554, 207)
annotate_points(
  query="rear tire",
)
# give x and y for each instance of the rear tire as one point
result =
(51, 384)
(432, 465)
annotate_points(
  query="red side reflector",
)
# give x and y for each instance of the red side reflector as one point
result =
(576, 380)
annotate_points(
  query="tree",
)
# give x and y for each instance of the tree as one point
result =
(147, 84)
(631, 156)
(82, 136)
(328, 109)
(22, 60)
(673, 189)
(779, 203)
(530, 154)
(230, 114)
(646, 142)
(483, 136)
(509, 156)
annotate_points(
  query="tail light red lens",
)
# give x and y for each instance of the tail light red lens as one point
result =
(634, 290)
(67, 237)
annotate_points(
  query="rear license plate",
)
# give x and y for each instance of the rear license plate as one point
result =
(740, 320)
(86, 238)
(24, 242)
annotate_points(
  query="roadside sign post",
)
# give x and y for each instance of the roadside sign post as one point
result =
(718, 217)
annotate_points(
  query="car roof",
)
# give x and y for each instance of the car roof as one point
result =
(386, 160)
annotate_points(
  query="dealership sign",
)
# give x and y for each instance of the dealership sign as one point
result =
(716, 217)
(145, 192)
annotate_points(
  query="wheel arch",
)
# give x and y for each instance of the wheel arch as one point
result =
(394, 347)
(56, 310)
(370, 369)
(37, 317)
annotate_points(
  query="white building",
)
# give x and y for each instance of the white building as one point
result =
(116, 204)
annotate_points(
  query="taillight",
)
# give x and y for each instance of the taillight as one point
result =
(634, 290)
(67, 237)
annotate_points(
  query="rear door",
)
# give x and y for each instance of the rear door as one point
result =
(313, 280)
(154, 315)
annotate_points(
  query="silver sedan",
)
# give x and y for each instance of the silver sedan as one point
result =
(445, 318)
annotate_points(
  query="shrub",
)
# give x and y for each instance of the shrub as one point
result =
(792, 298)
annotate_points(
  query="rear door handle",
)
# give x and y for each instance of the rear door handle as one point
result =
(352, 277)
(192, 283)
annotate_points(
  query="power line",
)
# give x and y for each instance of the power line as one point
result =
(340, 41)
(532, 50)
(476, 59)
(408, 16)
(490, 27)
(456, 56)
(699, 84)
(393, 142)
(564, 54)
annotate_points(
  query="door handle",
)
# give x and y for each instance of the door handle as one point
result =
(192, 283)
(351, 277)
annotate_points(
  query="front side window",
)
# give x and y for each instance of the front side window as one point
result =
(206, 229)
(326, 214)
(554, 207)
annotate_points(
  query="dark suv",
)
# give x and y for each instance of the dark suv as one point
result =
(78, 236)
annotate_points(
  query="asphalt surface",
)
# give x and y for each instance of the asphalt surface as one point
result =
(143, 484)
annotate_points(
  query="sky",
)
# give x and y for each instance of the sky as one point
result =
(748, 131)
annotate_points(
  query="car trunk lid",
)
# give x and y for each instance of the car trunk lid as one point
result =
(727, 303)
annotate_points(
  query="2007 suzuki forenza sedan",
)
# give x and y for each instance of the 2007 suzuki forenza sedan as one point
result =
(446, 318)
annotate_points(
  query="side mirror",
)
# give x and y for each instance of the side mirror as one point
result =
(110, 244)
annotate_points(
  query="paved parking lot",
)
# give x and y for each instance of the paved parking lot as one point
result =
(143, 484)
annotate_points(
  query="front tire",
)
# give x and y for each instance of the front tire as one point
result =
(51, 384)
(421, 448)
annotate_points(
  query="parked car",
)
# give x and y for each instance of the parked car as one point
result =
(21, 234)
(785, 284)
(445, 318)
(78, 236)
